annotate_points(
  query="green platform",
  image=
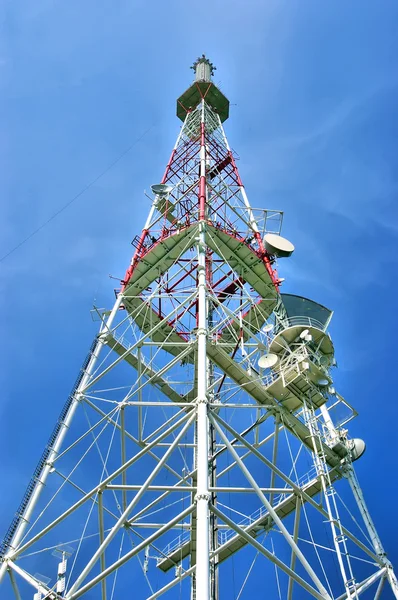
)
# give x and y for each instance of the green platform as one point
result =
(194, 94)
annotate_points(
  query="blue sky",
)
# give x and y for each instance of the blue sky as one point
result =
(313, 89)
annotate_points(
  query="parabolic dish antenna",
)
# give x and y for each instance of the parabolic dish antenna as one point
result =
(278, 245)
(267, 361)
(161, 189)
(358, 447)
(268, 328)
(304, 333)
(323, 382)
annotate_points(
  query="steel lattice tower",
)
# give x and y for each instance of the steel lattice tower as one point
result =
(203, 430)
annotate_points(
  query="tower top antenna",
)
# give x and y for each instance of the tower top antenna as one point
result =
(203, 88)
(203, 68)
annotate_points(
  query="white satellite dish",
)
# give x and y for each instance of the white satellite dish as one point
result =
(322, 382)
(268, 327)
(267, 361)
(278, 245)
(357, 448)
(161, 189)
(304, 333)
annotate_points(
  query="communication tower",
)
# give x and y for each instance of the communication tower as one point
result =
(203, 452)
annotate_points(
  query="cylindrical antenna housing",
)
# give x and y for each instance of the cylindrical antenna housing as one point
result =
(202, 71)
(203, 68)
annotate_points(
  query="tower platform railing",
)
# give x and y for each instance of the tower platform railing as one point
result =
(299, 321)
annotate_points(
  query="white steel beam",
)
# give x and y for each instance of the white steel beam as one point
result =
(274, 453)
(124, 516)
(35, 583)
(278, 522)
(357, 492)
(218, 489)
(94, 491)
(364, 585)
(296, 527)
(305, 497)
(203, 495)
(14, 585)
(41, 480)
(342, 554)
(101, 540)
(272, 557)
(123, 452)
(136, 550)
(380, 588)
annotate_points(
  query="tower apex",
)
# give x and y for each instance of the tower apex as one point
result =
(203, 88)
(204, 69)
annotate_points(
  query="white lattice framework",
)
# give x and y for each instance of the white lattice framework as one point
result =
(176, 454)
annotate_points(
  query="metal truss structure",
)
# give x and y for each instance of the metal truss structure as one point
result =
(203, 452)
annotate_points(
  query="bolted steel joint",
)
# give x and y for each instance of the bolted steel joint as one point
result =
(202, 331)
(203, 496)
(203, 400)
